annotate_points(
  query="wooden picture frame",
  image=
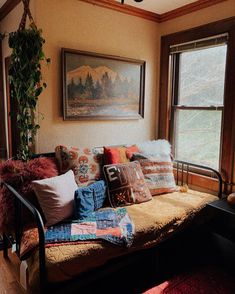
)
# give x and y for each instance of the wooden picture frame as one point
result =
(98, 86)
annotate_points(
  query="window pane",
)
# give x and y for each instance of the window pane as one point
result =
(197, 136)
(201, 77)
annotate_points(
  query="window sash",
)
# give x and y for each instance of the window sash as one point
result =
(174, 68)
(174, 84)
(165, 102)
(212, 107)
(174, 126)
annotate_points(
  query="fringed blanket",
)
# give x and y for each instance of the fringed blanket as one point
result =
(108, 224)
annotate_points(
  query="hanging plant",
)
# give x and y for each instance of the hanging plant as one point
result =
(26, 79)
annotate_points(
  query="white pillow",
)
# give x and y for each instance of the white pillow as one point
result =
(159, 150)
(56, 197)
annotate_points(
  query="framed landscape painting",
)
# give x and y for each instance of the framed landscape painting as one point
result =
(97, 86)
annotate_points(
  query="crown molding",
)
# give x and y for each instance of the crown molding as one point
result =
(189, 8)
(8, 7)
(124, 8)
(128, 9)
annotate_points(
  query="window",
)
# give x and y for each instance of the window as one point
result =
(198, 78)
(197, 105)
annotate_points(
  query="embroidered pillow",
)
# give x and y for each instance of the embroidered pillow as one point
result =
(88, 199)
(56, 197)
(118, 154)
(158, 176)
(84, 162)
(126, 184)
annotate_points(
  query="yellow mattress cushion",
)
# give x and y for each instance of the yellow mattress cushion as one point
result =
(154, 221)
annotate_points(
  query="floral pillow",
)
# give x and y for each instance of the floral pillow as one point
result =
(84, 162)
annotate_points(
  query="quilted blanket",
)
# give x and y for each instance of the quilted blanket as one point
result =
(155, 221)
(108, 224)
(113, 225)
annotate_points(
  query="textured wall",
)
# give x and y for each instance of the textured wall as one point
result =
(77, 25)
(82, 26)
(213, 13)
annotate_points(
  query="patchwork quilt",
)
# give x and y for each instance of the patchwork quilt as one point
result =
(112, 225)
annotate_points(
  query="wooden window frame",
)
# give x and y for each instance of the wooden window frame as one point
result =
(227, 168)
(174, 94)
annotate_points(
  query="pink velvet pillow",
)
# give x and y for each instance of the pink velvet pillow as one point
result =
(56, 197)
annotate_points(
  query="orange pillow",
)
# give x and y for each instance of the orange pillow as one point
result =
(130, 150)
(119, 154)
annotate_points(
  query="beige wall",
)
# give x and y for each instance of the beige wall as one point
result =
(82, 26)
(78, 25)
(213, 13)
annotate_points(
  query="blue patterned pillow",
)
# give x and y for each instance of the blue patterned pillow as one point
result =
(88, 199)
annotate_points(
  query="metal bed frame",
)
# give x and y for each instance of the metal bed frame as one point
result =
(182, 168)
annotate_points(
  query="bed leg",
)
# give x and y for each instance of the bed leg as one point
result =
(5, 246)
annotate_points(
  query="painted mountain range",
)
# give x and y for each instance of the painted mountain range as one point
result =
(96, 74)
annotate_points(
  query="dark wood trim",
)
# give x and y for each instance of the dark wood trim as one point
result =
(189, 8)
(198, 107)
(8, 7)
(164, 101)
(174, 94)
(124, 8)
(3, 143)
(227, 164)
(128, 9)
(200, 182)
(228, 133)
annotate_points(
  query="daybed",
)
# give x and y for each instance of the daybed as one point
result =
(155, 221)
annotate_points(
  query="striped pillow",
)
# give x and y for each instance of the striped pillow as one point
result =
(158, 176)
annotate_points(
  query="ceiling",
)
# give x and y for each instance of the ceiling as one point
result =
(158, 6)
(155, 10)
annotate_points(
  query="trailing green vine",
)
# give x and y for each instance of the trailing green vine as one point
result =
(26, 79)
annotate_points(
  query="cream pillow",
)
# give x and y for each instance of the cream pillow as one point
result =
(56, 197)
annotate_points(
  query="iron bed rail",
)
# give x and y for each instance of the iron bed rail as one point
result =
(180, 167)
(20, 201)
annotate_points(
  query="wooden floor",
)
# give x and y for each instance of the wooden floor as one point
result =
(9, 275)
